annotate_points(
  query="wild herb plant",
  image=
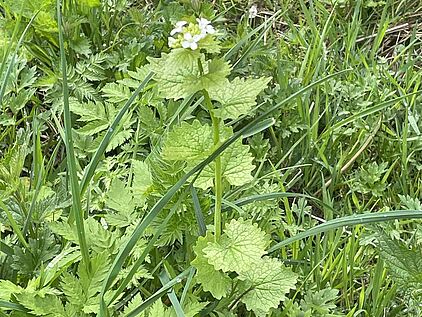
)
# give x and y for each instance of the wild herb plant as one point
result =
(227, 168)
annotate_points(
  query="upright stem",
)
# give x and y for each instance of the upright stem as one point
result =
(218, 179)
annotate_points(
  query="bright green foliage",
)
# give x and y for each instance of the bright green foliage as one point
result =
(237, 97)
(82, 292)
(7, 288)
(133, 304)
(142, 181)
(157, 310)
(405, 264)
(236, 163)
(241, 245)
(188, 142)
(194, 142)
(220, 283)
(314, 304)
(119, 197)
(265, 284)
(178, 74)
(262, 282)
(48, 305)
(90, 3)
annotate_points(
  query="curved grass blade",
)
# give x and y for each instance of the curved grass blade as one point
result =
(261, 126)
(367, 112)
(161, 292)
(12, 61)
(89, 172)
(14, 225)
(148, 248)
(263, 27)
(187, 285)
(6, 249)
(353, 220)
(261, 197)
(13, 306)
(172, 295)
(70, 154)
(160, 204)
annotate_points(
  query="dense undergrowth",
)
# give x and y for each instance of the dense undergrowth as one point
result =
(269, 163)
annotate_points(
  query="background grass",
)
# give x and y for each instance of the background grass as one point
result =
(350, 145)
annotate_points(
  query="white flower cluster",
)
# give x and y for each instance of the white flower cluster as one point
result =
(188, 35)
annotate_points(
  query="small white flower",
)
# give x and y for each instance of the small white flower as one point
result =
(190, 41)
(253, 12)
(205, 26)
(178, 28)
(171, 41)
(104, 223)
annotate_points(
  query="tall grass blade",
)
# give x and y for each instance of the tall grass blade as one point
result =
(12, 61)
(14, 225)
(70, 154)
(6, 249)
(161, 292)
(359, 219)
(89, 172)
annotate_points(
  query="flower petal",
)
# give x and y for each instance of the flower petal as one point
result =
(193, 46)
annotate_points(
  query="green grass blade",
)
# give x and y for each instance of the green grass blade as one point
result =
(187, 285)
(367, 112)
(161, 292)
(12, 61)
(89, 172)
(13, 306)
(14, 225)
(259, 127)
(202, 228)
(262, 197)
(70, 154)
(164, 279)
(263, 27)
(148, 248)
(6, 249)
(359, 219)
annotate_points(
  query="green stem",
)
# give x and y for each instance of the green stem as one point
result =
(218, 179)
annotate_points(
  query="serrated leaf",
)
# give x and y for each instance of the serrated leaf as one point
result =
(119, 138)
(48, 305)
(7, 288)
(73, 290)
(178, 74)
(241, 245)
(157, 310)
(213, 281)
(142, 180)
(188, 142)
(119, 197)
(236, 165)
(94, 127)
(237, 97)
(89, 111)
(405, 264)
(265, 284)
(116, 93)
(133, 304)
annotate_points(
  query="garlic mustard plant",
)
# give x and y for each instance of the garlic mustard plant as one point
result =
(190, 35)
(231, 254)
